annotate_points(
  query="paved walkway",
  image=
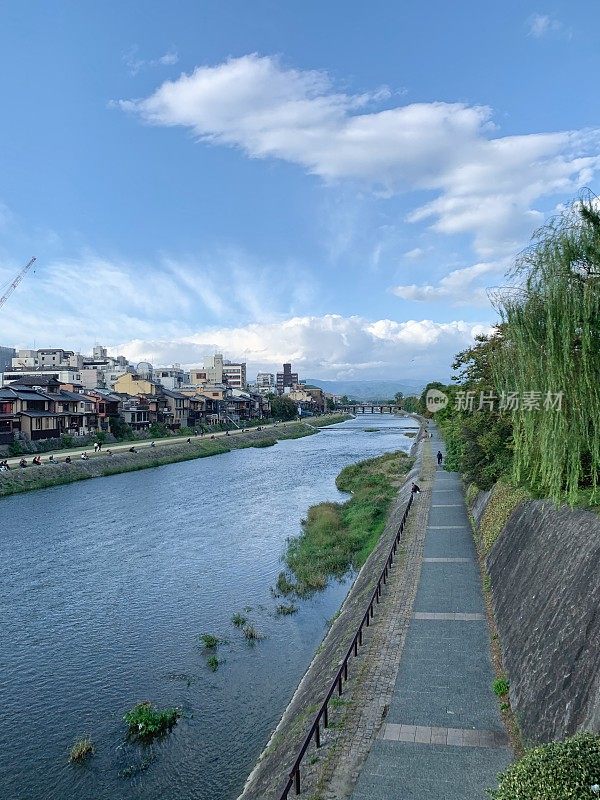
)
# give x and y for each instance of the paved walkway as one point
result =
(443, 736)
(139, 444)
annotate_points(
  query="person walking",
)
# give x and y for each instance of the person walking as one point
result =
(440, 457)
(95, 447)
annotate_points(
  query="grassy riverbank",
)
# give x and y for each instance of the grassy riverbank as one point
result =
(46, 475)
(339, 536)
(327, 419)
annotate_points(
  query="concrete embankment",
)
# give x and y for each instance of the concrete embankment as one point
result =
(101, 465)
(271, 772)
(545, 584)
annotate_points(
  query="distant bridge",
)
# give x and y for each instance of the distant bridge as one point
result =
(368, 408)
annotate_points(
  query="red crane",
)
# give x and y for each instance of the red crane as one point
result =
(16, 282)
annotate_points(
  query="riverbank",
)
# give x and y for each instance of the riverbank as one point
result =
(337, 537)
(273, 768)
(101, 464)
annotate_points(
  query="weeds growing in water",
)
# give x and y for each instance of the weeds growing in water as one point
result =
(134, 769)
(213, 663)
(146, 721)
(285, 609)
(251, 633)
(239, 620)
(338, 537)
(209, 641)
(82, 748)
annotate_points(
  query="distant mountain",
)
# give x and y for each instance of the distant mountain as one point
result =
(369, 390)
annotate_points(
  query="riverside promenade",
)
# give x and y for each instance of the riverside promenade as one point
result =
(442, 736)
(420, 718)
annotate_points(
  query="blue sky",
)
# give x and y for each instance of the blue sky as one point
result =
(331, 183)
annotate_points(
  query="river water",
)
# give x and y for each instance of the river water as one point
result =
(105, 586)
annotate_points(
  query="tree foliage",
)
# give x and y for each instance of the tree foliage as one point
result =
(284, 408)
(550, 343)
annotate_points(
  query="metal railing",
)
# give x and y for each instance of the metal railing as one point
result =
(322, 716)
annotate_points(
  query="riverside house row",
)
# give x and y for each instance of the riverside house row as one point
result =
(41, 407)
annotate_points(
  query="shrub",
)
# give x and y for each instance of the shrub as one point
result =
(146, 721)
(556, 771)
(501, 686)
(14, 449)
(82, 748)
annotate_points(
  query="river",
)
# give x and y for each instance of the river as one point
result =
(105, 586)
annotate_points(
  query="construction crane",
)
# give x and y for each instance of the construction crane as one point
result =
(16, 282)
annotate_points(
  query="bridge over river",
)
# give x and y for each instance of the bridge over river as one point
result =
(370, 408)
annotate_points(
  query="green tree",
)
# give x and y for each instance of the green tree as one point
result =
(119, 428)
(398, 398)
(330, 404)
(284, 408)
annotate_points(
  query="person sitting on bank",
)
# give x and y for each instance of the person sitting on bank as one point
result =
(415, 489)
(109, 452)
(188, 441)
(37, 461)
(84, 457)
(152, 444)
(132, 450)
(23, 462)
(51, 459)
(68, 460)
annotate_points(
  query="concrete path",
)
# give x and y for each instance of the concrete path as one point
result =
(139, 444)
(443, 736)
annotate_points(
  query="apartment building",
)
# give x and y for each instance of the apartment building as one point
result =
(286, 379)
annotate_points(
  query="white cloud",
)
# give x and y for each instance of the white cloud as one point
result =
(456, 287)
(415, 254)
(330, 346)
(169, 58)
(543, 24)
(486, 185)
(135, 64)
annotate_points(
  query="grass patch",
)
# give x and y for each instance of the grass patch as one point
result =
(213, 663)
(337, 537)
(285, 609)
(146, 721)
(239, 620)
(251, 633)
(504, 499)
(327, 419)
(501, 686)
(82, 749)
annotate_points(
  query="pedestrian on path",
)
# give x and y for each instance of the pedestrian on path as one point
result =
(95, 447)
(440, 457)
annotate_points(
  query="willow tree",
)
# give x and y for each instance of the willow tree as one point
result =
(550, 355)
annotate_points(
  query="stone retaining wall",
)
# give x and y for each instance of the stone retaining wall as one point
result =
(545, 579)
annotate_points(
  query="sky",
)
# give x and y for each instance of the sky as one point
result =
(334, 184)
